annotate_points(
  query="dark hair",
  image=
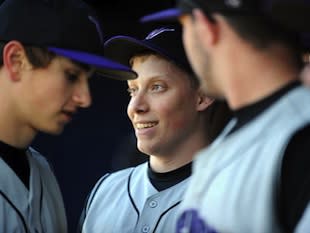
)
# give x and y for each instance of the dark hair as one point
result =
(217, 116)
(39, 57)
(263, 33)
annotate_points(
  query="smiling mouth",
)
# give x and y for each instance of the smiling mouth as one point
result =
(68, 114)
(145, 125)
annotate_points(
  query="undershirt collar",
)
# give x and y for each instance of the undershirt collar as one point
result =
(17, 160)
(162, 181)
(249, 112)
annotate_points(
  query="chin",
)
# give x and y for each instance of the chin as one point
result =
(147, 149)
(54, 131)
(143, 148)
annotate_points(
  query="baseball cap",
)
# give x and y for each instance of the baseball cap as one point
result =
(292, 14)
(68, 28)
(165, 41)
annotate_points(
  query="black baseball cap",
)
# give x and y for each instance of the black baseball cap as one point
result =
(68, 28)
(292, 14)
(165, 41)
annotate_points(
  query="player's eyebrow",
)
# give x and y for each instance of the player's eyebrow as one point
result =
(90, 70)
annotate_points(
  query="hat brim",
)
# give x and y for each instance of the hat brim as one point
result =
(104, 66)
(122, 48)
(292, 15)
(171, 14)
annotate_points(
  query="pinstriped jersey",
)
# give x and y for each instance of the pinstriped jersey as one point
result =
(38, 209)
(127, 202)
(235, 180)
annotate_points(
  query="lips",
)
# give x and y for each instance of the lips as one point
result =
(68, 114)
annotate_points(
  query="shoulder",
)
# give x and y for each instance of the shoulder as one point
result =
(114, 182)
(121, 176)
(38, 158)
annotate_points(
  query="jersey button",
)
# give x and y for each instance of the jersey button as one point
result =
(145, 229)
(153, 204)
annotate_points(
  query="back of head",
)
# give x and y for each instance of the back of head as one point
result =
(260, 22)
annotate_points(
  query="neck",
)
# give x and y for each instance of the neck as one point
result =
(13, 131)
(180, 155)
(18, 138)
(256, 74)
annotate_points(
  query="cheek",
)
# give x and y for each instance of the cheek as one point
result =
(180, 120)
(130, 111)
(52, 100)
(51, 96)
(177, 115)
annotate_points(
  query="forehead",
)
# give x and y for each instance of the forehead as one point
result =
(154, 63)
(63, 64)
(152, 66)
(69, 63)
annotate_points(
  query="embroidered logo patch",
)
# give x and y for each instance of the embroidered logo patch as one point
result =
(234, 3)
(158, 31)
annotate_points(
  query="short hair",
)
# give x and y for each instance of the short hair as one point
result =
(192, 78)
(39, 57)
(262, 32)
(217, 114)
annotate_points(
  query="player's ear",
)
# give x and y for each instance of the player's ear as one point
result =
(203, 101)
(207, 29)
(15, 59)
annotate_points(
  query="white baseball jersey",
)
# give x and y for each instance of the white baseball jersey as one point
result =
(37, 210)
(126, 202)
(235, 180)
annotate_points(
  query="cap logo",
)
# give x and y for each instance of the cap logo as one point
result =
(233, 3)
(95, 21)
(158, 31)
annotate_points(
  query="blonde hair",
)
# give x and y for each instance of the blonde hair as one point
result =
(145, 54)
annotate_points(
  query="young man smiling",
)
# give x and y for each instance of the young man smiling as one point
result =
(172, 120)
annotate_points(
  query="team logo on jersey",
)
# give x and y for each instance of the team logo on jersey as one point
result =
(158, 31)
(191, 222)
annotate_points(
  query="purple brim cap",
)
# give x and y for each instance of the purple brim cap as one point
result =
(104, 66)
(122, 48)
(165, 15)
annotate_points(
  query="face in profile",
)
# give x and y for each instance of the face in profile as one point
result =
(51, 96)
(199, 58)
(163, 105)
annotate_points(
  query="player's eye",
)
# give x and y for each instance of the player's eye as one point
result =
(132, 90)
(157, 87)
(71, 76)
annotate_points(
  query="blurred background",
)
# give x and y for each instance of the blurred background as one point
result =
(98, 139)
